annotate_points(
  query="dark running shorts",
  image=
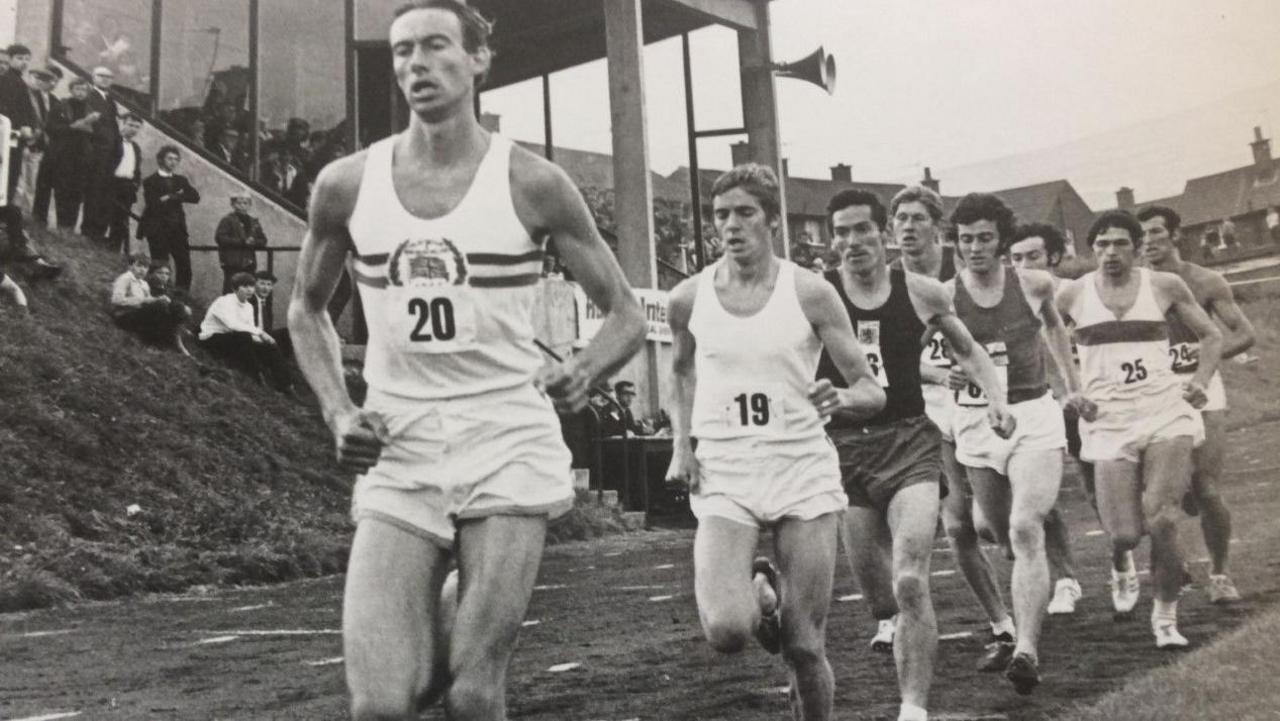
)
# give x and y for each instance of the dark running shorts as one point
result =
(878, 461)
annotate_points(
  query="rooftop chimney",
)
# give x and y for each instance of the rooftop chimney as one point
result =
(491, 122)
(741, 152)
(842, 172)
(786, 168)
(1124, 198)
(929, 181)
(1261, 154)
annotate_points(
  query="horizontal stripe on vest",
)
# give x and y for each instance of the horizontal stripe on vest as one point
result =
(1123, 331)
(501, 281)
(472, 258)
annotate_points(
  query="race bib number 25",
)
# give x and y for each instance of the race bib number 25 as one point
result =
(435, 319)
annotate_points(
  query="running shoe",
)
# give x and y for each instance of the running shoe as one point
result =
(1065, 594)
(1221, 589)
(883, 641)
(1024, 673)
(1124, 592)
(769, 631)
(999, 654)
(1166, 631)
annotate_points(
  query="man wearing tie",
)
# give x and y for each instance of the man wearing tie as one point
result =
(52, 138)
(164, 221)
(104, 155)
(125, 178)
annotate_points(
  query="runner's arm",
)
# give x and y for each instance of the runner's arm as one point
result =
(1182, 302)
(935, 308)
(864, 397)
(683, 466)
(937, 375)
(556, 211)
(1039, 292)
(1239, 336)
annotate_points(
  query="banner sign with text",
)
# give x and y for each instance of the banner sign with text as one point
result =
(653, 302)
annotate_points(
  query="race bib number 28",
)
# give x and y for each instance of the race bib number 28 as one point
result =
(435, 319)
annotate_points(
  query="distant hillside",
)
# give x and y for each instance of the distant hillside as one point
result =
(235, 482)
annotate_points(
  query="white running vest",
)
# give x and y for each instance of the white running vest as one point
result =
(754, 372)
(449, 300)
(1123, 359)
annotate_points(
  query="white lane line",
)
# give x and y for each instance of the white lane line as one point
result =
(611, 554)
(562, 667)
(655, 599)
(550, 587)
(279, 632)
(1095, 532)
(851, 597)
(255, 607)
(955, 636)
(944, 572)
(39, 634)
(326, 661)
(527, 624)
(214, 639)
(664, 566)
(50, 716)
(646, 587)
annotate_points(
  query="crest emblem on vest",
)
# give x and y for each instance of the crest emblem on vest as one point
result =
(427, 262)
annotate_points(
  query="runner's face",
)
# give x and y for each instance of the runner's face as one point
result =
(978, 244)
(857, 238)
(1029, 254)
(1157, 241)
(1115, 252)
(742, 225)
(914, 228)
(433, 69)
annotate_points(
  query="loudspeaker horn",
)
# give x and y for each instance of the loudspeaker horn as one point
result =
(817, 67)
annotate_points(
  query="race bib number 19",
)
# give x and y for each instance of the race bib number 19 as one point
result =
(754, 410)
(435, 319)
(869, 341)
(972, 394)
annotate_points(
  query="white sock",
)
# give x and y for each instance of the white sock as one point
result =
(1005, 626)
(911, 712)
(1165, 609)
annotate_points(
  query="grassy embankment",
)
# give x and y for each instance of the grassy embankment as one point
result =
(235, 481)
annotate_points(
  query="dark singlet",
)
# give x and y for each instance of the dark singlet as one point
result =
(946, 271)
(890, 338)
(1010, 333)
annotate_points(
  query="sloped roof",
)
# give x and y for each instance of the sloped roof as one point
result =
(1035, 203)
(1235, 192)
(596, 169)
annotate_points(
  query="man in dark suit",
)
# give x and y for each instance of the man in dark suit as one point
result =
(164, 221)
(51, 139)
(15, 104)
(238, 236)
(125, 178)
(104, 150)
(68, 151)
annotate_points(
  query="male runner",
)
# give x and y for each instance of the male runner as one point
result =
(1015, 479)
(890, 462)
(457, 448)
(1142, 437)
(1160, 228)
(1040, 246)
(917, 219)
(748, 331)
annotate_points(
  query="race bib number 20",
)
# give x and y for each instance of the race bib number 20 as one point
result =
(435, 319)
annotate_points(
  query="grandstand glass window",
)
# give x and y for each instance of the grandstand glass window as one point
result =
(113, 33)
(302, 92)
(205, 76)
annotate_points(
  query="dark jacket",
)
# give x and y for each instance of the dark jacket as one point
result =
(55, 121)
(165, 220)
(106, 129)
(236, 244)
(69, 146)
(15, 101)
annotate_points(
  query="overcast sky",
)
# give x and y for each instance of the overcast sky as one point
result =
(989, 93)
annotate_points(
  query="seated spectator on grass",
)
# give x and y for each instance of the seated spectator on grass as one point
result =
(14, 292)
(264, 283)
(161, 281)
(228, 332)
(156, 319)
(238, 236)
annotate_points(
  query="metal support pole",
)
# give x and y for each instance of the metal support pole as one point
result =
(695, 192)
(548, 146)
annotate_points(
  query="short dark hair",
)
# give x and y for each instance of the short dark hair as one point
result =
(476, 29)
(1172, 221)
(130, 117)
(241, 280)
(165, 150)
(623, 387)
(759, 181)
(136, 258)
(854, 196)
(1055, 244)
(1121, 219)
(265, 275)
(79, 81)
(975, 207)
(17, 49)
